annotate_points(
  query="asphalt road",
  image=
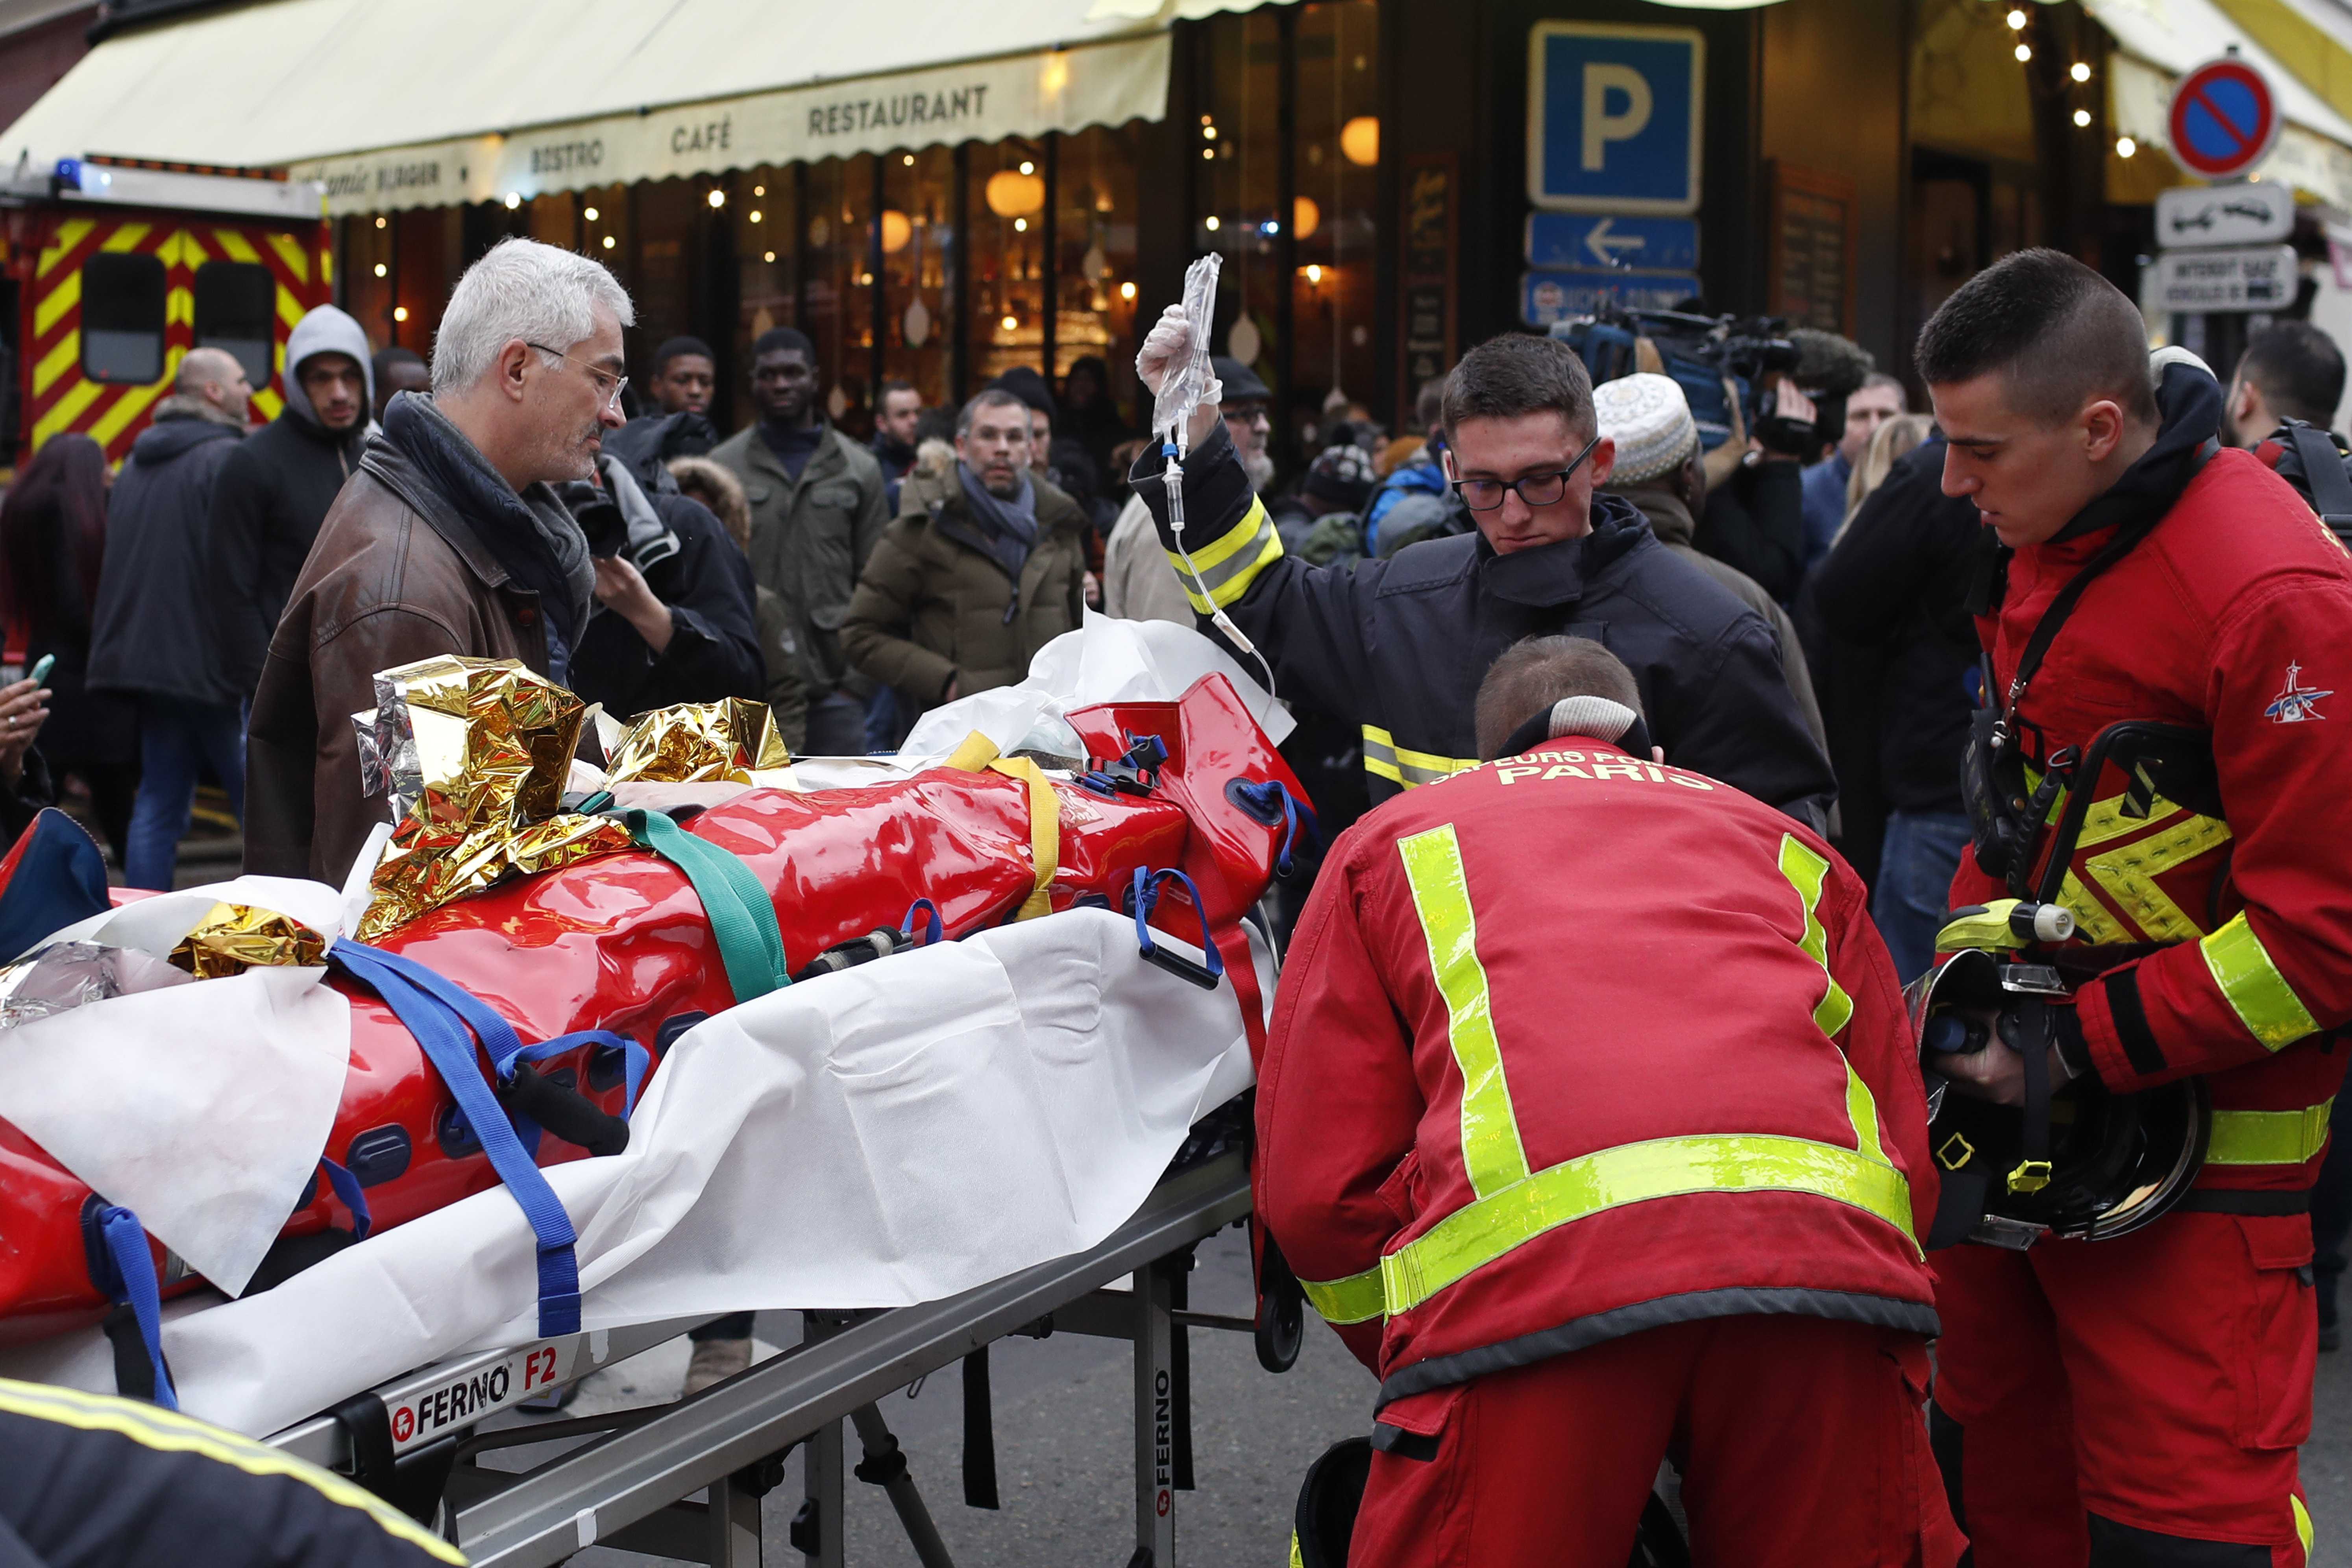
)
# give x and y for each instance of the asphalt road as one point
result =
(1064, 1458)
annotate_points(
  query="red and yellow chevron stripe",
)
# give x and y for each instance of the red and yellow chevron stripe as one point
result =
(61, 397)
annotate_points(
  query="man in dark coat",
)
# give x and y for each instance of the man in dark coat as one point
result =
(675, 618)
(1399, 646)
(275, 488)
(154, 635)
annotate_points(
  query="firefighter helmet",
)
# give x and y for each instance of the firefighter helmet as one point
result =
(2103, 1165)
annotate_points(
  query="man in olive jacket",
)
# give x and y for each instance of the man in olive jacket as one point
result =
(818, 505)
(985, 565)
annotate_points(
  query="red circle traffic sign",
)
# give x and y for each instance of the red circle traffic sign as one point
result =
(2224, 120)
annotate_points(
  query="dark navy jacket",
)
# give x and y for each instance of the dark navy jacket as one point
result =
(1398, 646)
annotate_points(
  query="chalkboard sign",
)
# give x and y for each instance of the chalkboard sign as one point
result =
(1430, 192)
(1813, 249)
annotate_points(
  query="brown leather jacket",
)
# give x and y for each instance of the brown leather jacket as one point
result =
(395, 576)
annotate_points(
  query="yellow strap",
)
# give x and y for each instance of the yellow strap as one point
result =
(1355, 1300)
(169, 1433)
(978, 753)
(2253, 986)
(1806, 872)
(2269, 1137)
(1474, 1236)
(1440, 896)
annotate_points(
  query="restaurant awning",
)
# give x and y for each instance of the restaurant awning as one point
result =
(420, 104)
(2159, 40)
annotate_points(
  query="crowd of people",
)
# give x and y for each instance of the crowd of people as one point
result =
(1826, 629)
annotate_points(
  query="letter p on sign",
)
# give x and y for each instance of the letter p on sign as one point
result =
(1604, 122)
(1614, 118)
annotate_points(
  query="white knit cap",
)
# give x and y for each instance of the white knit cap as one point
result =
(1648, 418)
(1598, 717)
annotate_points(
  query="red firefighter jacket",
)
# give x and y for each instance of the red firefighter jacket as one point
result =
(2233, 616)
(1570, 1045)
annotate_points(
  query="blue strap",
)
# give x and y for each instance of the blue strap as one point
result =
(347, 1187)
(923, 906)
(126, 1248)
(1147, 893)
(635, 1058)
(439, 1014)
(1263, 798)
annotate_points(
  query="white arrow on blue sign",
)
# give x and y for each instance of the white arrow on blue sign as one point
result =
(1612, 242)
(1548, 297)
(1614, 118)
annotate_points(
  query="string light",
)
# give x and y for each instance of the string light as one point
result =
(608, 242)
(2016, 20)
(399, 312)
(718, 198)
(2125, 146)
(2081, 72)
(1127, 291)
(2024, 53)
(381, 270)
(1027, 167)
(2082, 117)
(514, 200)
(590, 213)
(1212, 224)
(1012, 322)
(379, 223)
(1020, 226)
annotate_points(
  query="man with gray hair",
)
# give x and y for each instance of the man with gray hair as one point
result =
(448, 541)
(983, 567)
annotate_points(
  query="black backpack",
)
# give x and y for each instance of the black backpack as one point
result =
(2315, 462)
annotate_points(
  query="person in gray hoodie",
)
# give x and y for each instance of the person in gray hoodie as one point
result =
(151, 634)
(275, 489)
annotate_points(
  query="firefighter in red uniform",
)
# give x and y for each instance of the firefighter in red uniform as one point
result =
(1590, 1116)
(2140, 1400)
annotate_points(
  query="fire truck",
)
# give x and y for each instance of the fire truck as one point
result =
(112, 272)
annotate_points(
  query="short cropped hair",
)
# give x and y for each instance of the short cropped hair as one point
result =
(677, 346)
(897, 384)
(777, 340)
(2059, 331)
(520, 290)
(1507, 377)
(1880, 378)
(2299, 370)
(1536, 672)
(986, 398)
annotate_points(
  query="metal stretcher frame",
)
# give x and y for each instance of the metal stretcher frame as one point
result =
(634, 1486)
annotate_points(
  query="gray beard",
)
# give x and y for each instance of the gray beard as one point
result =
(1260, 470)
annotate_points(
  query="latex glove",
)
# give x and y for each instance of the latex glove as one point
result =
(1163, 353)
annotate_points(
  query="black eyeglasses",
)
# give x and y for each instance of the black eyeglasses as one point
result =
(1536, 489)
(606, 382)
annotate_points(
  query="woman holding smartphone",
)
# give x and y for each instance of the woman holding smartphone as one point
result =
(52, 540)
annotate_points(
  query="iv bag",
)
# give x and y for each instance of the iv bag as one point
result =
(1171, 411)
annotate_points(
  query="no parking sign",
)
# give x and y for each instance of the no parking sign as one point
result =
(2224, 120)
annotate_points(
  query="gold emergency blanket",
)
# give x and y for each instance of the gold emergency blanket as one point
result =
(234, 938)
(732, 741)
(475, 754)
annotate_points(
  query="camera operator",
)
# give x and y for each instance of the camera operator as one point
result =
(674, 618)
(1755, 521)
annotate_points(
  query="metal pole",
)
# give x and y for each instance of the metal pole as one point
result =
(1155, 1457)
(885, 1459)
(733, 1522)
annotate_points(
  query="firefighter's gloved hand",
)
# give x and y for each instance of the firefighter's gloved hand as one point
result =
(1163, 354)
(1997, 1072)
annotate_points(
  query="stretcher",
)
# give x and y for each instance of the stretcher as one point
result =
(685, 1481)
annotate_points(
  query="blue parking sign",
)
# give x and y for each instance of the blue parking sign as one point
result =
(1614, 117)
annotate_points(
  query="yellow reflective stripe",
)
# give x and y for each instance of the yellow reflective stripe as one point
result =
(1355, 1300)
(1491, 1153)
(2254, 987)
(1806, 871)
(1228, 566)
(2302, 1530)
(1478, 1235)
(1863, 1111)
(2269, 1137)
(153, 1427)
(1399, 764)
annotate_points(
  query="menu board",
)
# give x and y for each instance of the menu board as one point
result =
(1431, 195)
(1809, 268)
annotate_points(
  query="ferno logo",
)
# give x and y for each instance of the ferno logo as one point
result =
(1160, 1442)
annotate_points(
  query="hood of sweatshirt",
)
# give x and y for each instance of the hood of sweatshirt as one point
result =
(327, 331)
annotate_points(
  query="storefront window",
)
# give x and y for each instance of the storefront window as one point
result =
(1337, 173)
(761, 201)
(918, 261)
(1094, 240)
(1241, 151)
(1006, 256)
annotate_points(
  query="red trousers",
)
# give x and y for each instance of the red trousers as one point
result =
(2159, 1382)
(1799, 1441)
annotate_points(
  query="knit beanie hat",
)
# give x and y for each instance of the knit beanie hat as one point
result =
(1343, 476)
(1648, 418)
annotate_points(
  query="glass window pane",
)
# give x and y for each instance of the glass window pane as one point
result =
(237, 310)
(1241, 151)
(1006, 253)
(122, 318)
(918, 246)
(1337, 177)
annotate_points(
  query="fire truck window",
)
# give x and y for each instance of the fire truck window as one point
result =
(237, 306)
(122, 318)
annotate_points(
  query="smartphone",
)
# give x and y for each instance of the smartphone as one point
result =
(41, 670)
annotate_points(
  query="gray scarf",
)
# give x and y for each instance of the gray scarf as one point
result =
(1009, 527)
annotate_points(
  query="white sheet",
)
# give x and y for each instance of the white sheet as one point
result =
(891, 1134)
(202, 1108)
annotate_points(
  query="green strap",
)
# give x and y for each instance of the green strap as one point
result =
(742, 919)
